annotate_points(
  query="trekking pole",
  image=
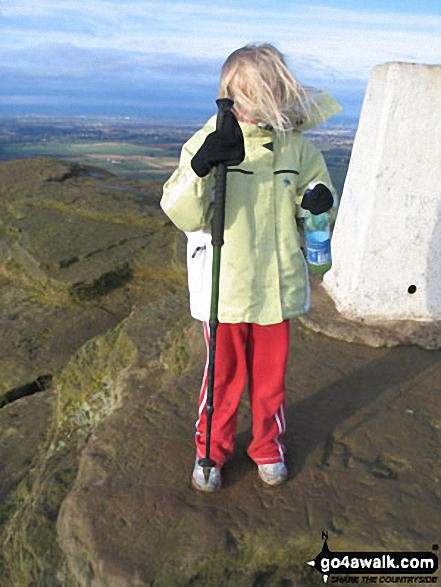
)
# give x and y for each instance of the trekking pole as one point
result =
(217, 240)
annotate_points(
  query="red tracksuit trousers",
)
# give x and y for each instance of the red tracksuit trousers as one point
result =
(261, 353)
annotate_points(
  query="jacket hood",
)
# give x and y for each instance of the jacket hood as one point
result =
(326, 108)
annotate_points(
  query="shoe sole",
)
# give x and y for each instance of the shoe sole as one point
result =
(280, 481)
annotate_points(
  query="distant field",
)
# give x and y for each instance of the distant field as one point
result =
(127, 160)
(130, 150)
(132, 161)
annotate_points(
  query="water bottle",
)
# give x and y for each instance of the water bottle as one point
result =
(317, 241)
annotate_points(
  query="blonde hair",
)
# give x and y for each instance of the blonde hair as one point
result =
(258, 80)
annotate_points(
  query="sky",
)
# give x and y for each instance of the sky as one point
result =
(161, 60)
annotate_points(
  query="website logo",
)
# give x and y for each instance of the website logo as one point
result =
(330, 563)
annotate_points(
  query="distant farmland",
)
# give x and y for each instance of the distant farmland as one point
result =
(127, 160)
(132, 149)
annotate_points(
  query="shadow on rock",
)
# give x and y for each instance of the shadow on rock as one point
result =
(313, 420)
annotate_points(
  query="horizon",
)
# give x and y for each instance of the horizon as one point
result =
(161, 60)
(166, 123)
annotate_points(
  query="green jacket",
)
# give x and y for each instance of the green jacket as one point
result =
(263, 274)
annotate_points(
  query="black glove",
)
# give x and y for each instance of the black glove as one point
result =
(317, 200)
(221, 146)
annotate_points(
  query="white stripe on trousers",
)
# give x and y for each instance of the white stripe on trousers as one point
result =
(282, 415)
(204, 400)
(282, 426)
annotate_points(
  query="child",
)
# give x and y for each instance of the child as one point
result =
(263, 275)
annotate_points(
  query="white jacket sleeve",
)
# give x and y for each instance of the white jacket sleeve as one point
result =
(186, 197)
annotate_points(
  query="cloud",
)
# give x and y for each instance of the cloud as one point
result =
(348, 42)
(69, 63)
(135, 44)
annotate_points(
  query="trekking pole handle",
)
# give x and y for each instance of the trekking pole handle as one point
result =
(224, 105)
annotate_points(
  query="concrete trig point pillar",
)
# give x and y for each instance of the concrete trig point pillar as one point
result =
(386, 244)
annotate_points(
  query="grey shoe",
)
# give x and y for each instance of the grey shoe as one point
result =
(273, 474)
(198, 480)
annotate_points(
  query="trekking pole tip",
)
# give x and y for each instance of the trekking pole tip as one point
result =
(207, 471)
(207, 464)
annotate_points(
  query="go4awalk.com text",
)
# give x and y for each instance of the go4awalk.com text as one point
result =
(380, 568)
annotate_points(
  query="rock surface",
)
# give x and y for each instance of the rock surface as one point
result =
(99, 494)
(325, 318)
(59, 290)
(363, 451)
(357, 470)
(77, 249)
(19, 441)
